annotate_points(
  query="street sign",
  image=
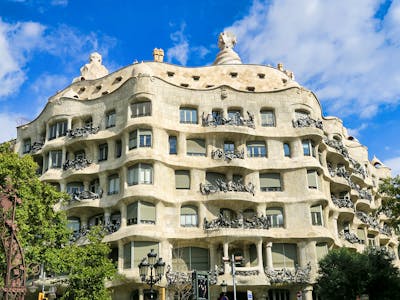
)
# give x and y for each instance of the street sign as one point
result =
(249, 295)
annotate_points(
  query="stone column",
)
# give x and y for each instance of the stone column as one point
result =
(123, 215)
(181, 144)
(120, 263)
(141, 295)
(213, 256)
(246, 255)
(259, 256)
(335, 224)
(307, 292)
(69, 123)
(107, 216)
(226, 255)
(268, 254)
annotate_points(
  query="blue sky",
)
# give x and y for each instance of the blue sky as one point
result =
(347, 52)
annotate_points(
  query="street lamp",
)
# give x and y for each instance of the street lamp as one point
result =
(223, 287)
(151, 262)
(233, 261)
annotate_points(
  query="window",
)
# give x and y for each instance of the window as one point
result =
(302, 114)
(286, 150)
(74, 188)
(141, 212)
(89, 122)
(267, 118)
(312, 179)
(190, 258)
(270, 182)
(140, 250)
(140, 174)
(56, 159)
(234, 115)
(141, 109)
(214, 178)
(128, 255)
(195, 147)
(26, 147)
(80, 154)
(118, 148)
(308, 148)
(316, 215)
(275, 216)
(96, 220)
(58, 129)
(217, 116)
(229, 147)
(182, 179)
(103, 152)
(256, 149)
(227, 214)
(189, 216)
(74, 224)
(94, 187)
(249, 214)
(322, 250)
(110, 119)
(371, 240)
(284, 255)
(188, 115)
(279, 294)
(361, 234)
(113, 184)
(172, 145)
(140, 138)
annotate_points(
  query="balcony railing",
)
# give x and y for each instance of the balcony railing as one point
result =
(36, 146)
(358, 168)
(182, 279)
(351, 237)
(233, 120)
(385, 229)
(85, 195)
(307, 122)
(247, 223)
(226, 186)
(77, 164)
(227, 155)
(297, 275)
(82, 131)
(371, 221)
(106, 228)
(342, 202)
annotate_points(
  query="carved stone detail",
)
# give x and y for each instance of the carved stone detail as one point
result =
(224, 186)
(351, 237)
(307, 122)
(77, 164)
(342, 202)
(36, 146)
(236, 120)
(86, 195)
(248, 223)
(82, 131)
(285, 275)
(228, 155)
(94, 69)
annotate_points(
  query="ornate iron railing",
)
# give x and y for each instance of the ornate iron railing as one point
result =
(226, 186)
(351, 237)
(36, 146)
(342, 202)
(297, 275)
(233, 120)
(248, 223)
(107, 228)
(227, 155)
(371, 221)
(77, 164)
(85, 195)
(82, 131)
(307, 122)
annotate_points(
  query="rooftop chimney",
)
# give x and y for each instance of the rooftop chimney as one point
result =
(158, 55)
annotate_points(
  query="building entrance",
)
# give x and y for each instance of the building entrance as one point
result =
(239, 295)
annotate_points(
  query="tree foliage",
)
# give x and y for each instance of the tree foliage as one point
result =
(344, 274)
(44, 235)
(390, 188)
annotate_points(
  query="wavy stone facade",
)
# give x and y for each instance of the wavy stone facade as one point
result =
(204, 163)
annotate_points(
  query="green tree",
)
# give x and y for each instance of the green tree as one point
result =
(44, 235)
(390, 189)
(344, 274)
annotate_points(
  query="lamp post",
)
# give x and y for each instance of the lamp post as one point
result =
(224, 288)
(157, 265)
(233, 261)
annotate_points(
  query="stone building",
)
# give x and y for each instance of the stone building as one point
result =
(202, 164)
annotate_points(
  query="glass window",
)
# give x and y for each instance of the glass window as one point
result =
(141, 109)
(182, 179)
(118, 148)
(188, 115)
(308, 148)
(371, 240)
(74, 224)
(284, 255)
(74, 188)
(270, 182)
(110, 119)
(267, 118)
(140, 250)
(195, 147)
(103, 152)
(141, 212)
(256, 149)
(312, 179)
(302, 114)
(275, 216)
(229, 147)
(128, 255)
(113, 184)
(279, 294)
(214, 178)
(322, 250)
(56, 159)
(227, 214)
(140, 174)
(234, 115)
(316, 215)
(286, 150)
(140, 138)
(58, 129)
(26, 146)
(190, 258)
(361, 234)
(189, 216)
(172, 145)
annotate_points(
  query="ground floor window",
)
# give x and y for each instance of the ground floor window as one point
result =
(278, 294)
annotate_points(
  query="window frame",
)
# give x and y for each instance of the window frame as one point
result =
(189, 220)
(173, 144)
(140, 167)
(141, 109)
(271, 188)
(269, 115)
(103, 152)
(140, 138)
(113, 184)
(182, 173)
(188, 115)
(256, 150)
(316, 214)
(275, 220)
(111, 118)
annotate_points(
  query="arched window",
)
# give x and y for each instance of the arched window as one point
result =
(190, 258)
(189, 216)
(275, 217)
(141, 109)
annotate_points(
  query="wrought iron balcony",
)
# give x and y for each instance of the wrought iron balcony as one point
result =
(307, 122)
(227, 155)
(226, 186)
(247, 272)
(107, 228)
(36, 146)
(247, 223)
(85, 195)
(342, 202)
(358, 168)
(371, 221)
(351, 237)
(77, 164)
(337, 145)
(82, 131)
(286, 275)
(233, 120)
(385, 229)
(182, 279)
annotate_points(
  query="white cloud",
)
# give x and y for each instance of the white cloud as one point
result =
(47, 85)
(9, 122)
(336, 48)
(355, 132)
(59, 2)
(394, 164)
(180, 50)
